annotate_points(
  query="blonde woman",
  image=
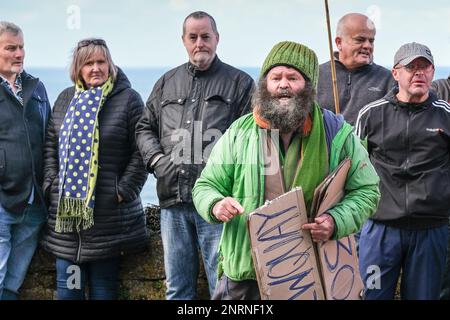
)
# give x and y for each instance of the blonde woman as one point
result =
(93, 176)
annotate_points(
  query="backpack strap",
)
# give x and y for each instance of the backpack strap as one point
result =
(333, 123)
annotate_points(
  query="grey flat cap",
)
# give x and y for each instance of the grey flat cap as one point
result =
(411, 51)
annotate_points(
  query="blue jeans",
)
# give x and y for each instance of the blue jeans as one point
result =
(418, 254)
(102, 278)
(19, 235)
(183, 232)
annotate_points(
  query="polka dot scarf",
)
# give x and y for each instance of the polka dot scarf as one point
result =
(78, 158)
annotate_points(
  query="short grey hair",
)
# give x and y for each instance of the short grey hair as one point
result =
(197, 15)
(10, 27)
(341, 25)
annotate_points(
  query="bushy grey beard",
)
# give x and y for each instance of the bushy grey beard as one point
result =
(287, 117)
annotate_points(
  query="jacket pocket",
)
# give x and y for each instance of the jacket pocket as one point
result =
(47, 188)
(166, 173)
(217, 112)
(217, 116)
(429, 193)
(2, 162)
(171, 115)
(39, 99)
(117, 189)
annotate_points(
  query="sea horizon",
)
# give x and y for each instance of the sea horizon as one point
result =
(142, 79)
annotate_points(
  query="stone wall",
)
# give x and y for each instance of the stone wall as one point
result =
(142, 276)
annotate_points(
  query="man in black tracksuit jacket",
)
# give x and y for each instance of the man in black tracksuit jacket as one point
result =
(188, 110)
(408, 140)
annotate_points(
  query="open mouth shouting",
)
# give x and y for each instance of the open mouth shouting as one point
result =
(284, 95)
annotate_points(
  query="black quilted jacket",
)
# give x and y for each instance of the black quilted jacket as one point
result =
(118, 227)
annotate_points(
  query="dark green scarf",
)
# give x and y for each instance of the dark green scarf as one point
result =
(313, 166)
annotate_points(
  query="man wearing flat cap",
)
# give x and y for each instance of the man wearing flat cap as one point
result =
(302, 143)
(408, 140)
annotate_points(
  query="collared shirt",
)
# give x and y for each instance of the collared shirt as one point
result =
(18, 86)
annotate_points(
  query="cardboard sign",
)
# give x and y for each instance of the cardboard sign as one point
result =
(289, 266)
(338, 258)
(283, 254)
(339, 269)
(331, 190)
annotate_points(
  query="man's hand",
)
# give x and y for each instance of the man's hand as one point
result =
(226, 209)
(322, 229)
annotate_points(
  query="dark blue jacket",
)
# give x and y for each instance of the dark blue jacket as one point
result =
(22, 135)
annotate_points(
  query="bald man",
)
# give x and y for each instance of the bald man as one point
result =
(360, 81)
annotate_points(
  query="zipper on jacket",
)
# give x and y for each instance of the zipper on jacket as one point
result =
(348, 91)
(33, 168)
(79, 247)
(406, 166)
(201, 104)
(38, 192)
(198, 92)
(188, 103)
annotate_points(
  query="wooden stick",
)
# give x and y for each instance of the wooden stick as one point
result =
(333, 65)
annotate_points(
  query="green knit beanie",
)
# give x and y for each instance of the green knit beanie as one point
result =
(296, 55)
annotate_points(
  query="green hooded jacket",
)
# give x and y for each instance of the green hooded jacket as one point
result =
(236, 169)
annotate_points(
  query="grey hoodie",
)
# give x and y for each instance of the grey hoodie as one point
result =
(442, 88)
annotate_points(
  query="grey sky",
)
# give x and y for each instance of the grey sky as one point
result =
(148, 33)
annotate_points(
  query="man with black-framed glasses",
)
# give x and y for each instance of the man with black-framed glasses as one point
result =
(408, 140)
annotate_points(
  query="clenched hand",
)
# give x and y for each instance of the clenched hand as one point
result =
(226, 209)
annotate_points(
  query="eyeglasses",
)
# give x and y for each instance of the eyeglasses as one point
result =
(85, 43)
(412, 68)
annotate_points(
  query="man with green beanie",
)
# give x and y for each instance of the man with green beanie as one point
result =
(302, 143)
